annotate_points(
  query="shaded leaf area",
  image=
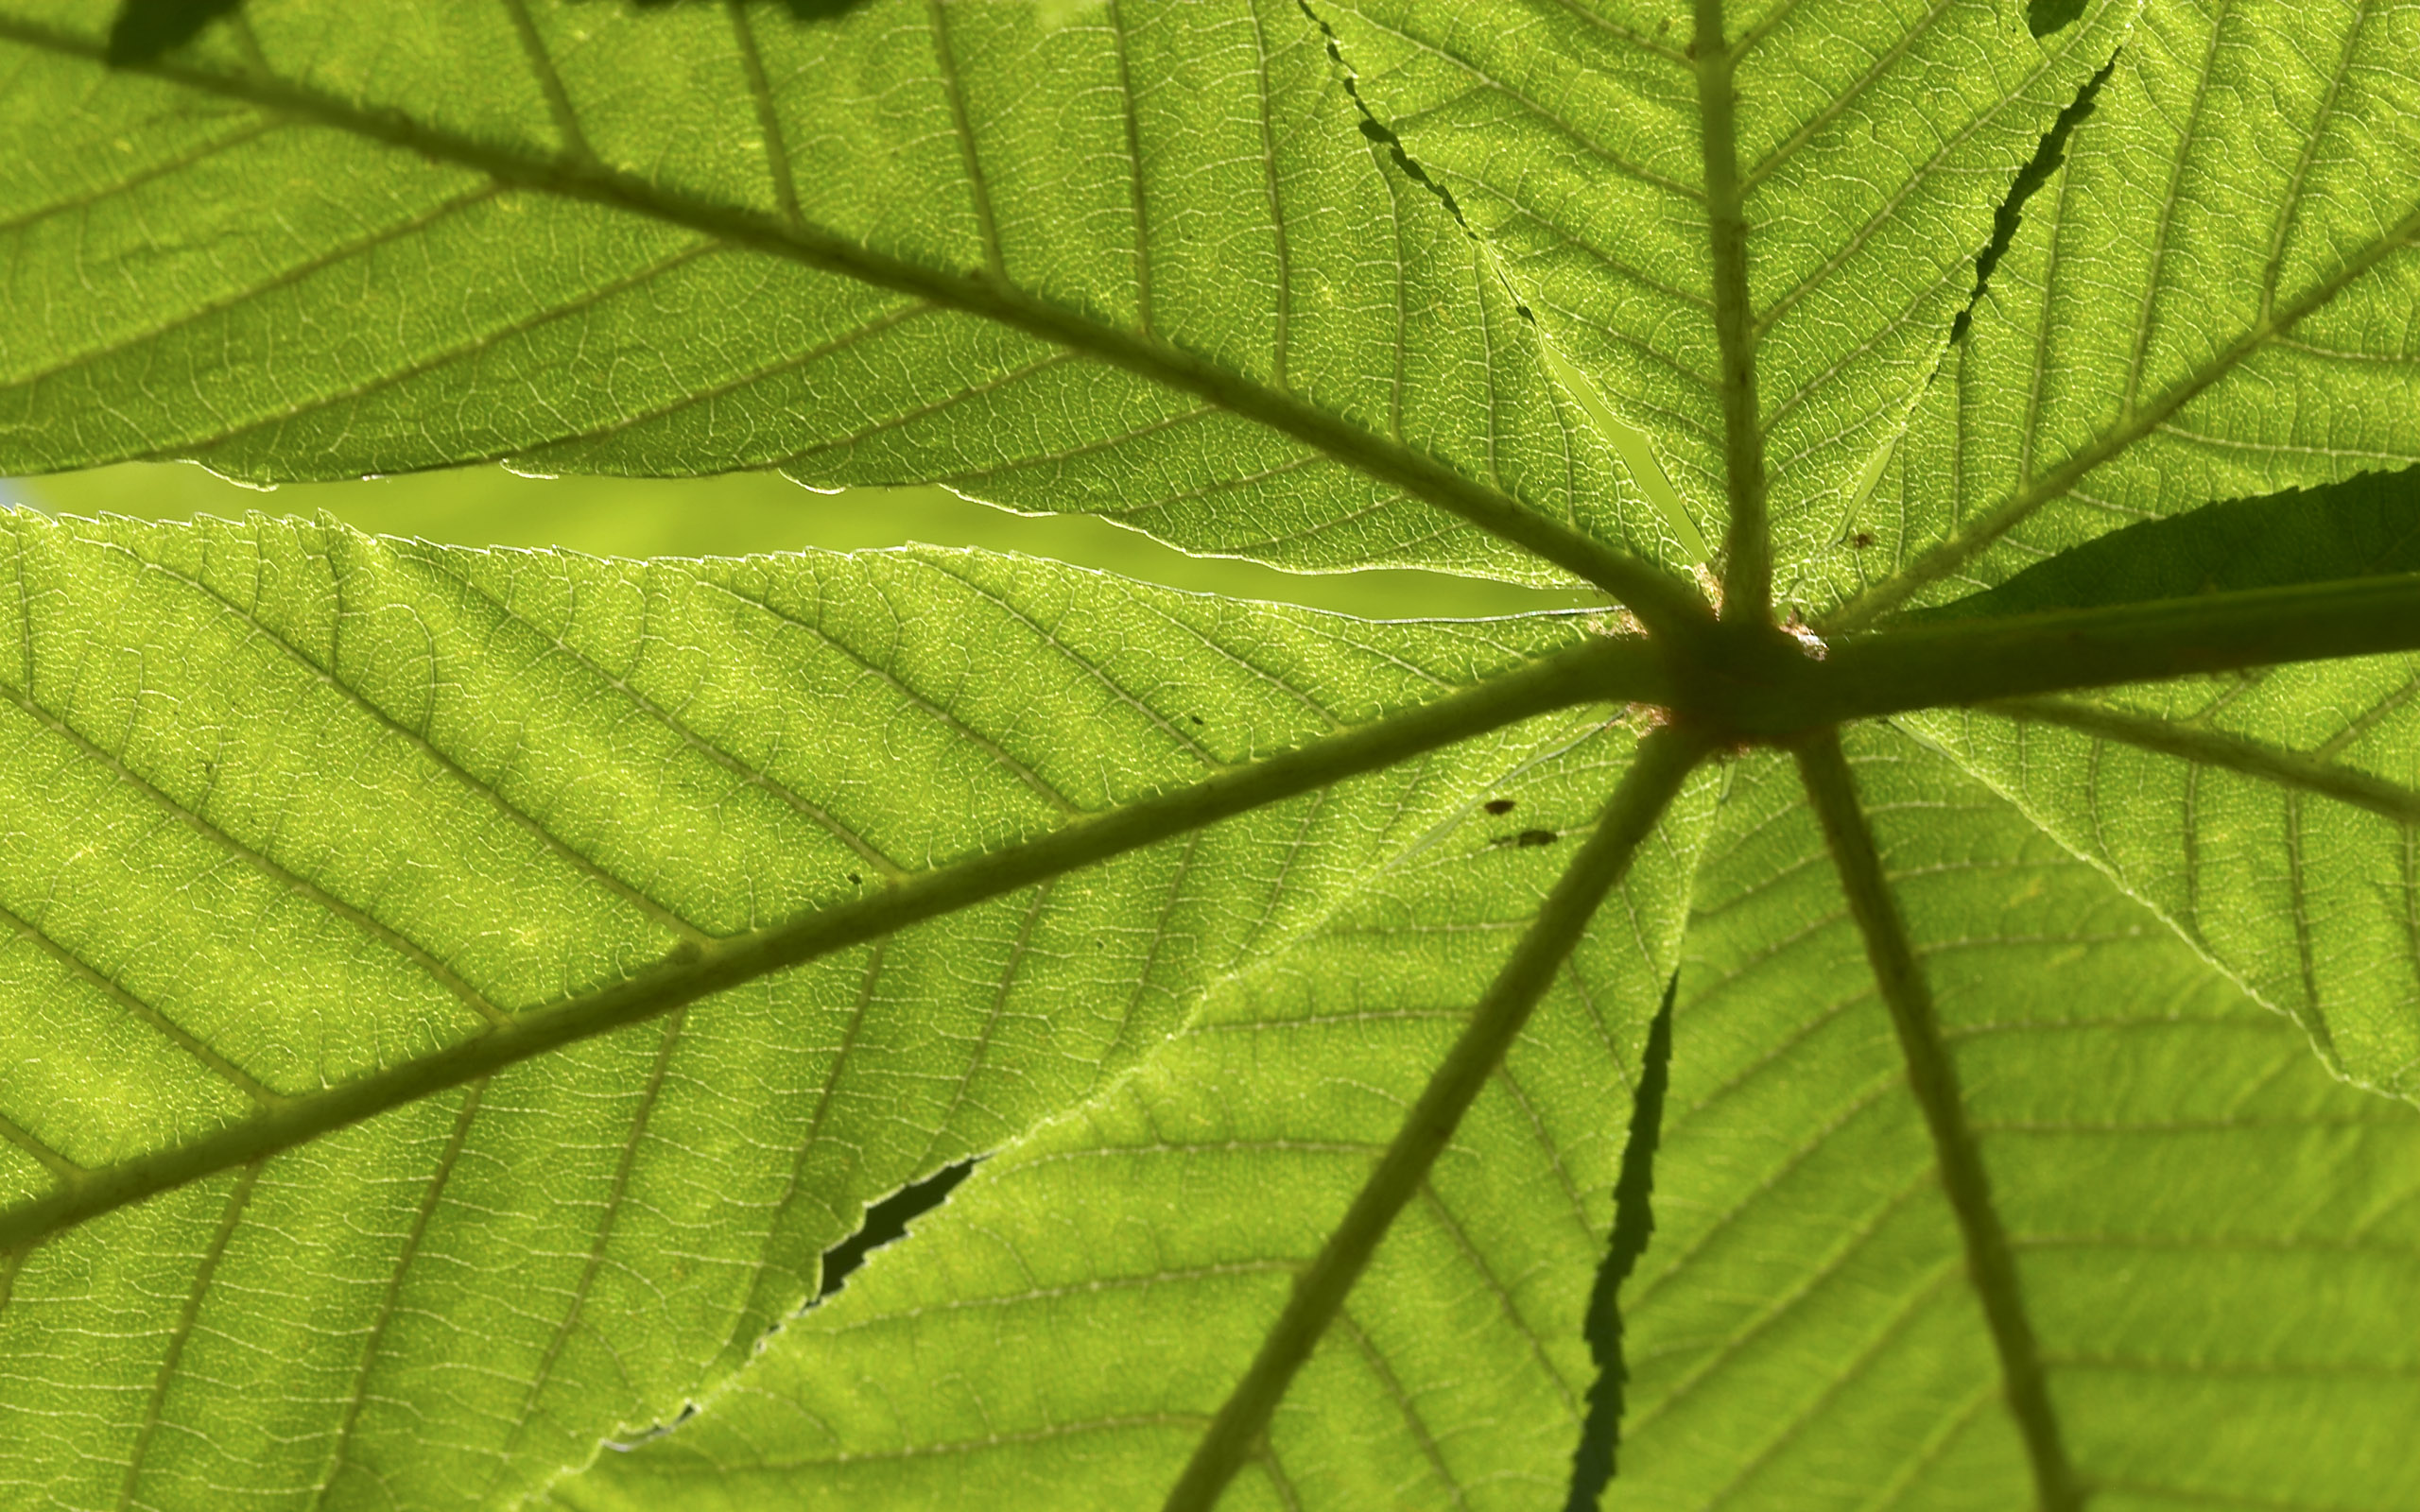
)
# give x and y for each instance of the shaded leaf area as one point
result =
(1875, 143)
(2209, 302)
(1051, 259)
(2208, 1228)
(2366, 524)
(348, 801)
(1088, 1339)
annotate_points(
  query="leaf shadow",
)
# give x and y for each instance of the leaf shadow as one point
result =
(1592, 1462)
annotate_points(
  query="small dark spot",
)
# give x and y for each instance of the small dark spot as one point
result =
(1500, 805)
(1529, 837)
(1861, 540)
(855, 880)
(1196, 718)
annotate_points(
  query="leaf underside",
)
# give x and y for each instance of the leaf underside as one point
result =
(455, 1000)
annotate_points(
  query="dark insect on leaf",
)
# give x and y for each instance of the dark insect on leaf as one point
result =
(854, 879)
(1861, 540)
(146, 28)
(1500, 805)
(1529, 837)
(1196, 718)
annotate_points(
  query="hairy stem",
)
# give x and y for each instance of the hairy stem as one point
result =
(1603, 670)
(1661, 601)
(1934, 1077)
(1663, 760)
(1748, 568)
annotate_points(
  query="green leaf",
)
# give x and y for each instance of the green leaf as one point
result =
(1872, 142)
(456, 1000)
(2210, 1235)
(989, 226)
(2367, 525)
(2207, 303)
(352, 757)
(1089, 1342)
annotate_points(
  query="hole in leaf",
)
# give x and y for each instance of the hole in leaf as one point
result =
(1592, 1464)
(655, 1431)
(886, 1222)
(2048, 158)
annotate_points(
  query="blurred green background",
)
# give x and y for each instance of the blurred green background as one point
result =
(742, 513)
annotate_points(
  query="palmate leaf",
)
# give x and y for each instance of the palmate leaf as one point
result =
(1798, 1335)
(1289, 972)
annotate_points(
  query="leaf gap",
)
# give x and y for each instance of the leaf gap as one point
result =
(887, 1223)
(2049, 155)
(1592, 1462)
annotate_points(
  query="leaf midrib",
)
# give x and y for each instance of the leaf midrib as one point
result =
(1595, 671)
(1660, 600)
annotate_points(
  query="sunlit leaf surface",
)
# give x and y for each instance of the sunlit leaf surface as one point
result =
(454, 999)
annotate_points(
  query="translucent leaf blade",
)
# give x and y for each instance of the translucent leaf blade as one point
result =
(2206, 1225)
(355, 803)
(1089, 1337)
(679, 239)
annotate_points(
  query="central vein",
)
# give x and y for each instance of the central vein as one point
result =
(1747, 570)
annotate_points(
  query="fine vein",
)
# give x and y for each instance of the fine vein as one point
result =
(1748, 571)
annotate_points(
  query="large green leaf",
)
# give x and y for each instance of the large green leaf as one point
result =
(455, 998)
(2209, 1233)
(356, 804)
(2211, 300)
(1089, 1342)
(1135, 261)
(1866, 138)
